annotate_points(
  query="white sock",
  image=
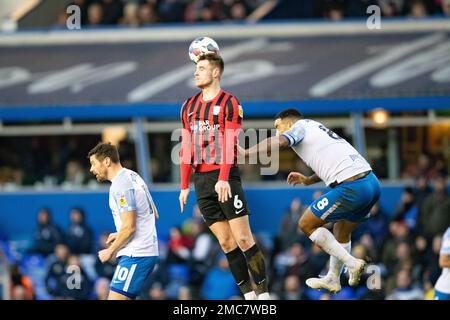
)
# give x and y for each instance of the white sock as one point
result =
(250, 296)
(336, 266)
(264, 296)
(325, 239)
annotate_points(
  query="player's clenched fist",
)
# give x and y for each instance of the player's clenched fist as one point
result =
(105, 255)
(295, 178)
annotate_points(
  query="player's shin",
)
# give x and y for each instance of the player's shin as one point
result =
(257, 267)
(325, 239)
(238, 267)
(336, 265)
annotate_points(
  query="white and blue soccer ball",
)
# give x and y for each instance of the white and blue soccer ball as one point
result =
(202, 46)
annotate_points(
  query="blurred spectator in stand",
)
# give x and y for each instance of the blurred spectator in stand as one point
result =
(95, 15)
(238, 12)
(101, 289)
(190, 12)
(405, 290)
(77, 284)
(79, 236)
(421, 191)
(292, 289)
(112, 11)
(334, 12)
(75, 175)
(419, 168)
(406, 204)
(370, 247)
(420, 254)
(11, 178)
(434, 214)
(317, 261)
(376, 226)
(47, 234)
(445, 6)
(157, 292)
(418, 9)
(184, 293)
(179, 246)
(219, 283)
(206, 15)
(403, 260)
(171, 10)
(439, 169)
(294, 261)
(21, 285)
(288, 232)
(54, 280)
(399, 232)
(130, 16)
(147, 14)
(18, 293)
(200, 260)
(407, 209)
(390, 8)
(423, 165)
(61, 19)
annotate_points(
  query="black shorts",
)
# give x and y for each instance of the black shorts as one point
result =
(208, 202)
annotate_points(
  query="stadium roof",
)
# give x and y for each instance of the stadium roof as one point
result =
(320, 68)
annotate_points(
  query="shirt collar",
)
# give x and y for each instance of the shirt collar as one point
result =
(118, 174)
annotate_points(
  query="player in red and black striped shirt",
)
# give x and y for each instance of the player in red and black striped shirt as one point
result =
(211, 122)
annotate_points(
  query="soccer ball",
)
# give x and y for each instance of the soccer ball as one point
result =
(201, 46)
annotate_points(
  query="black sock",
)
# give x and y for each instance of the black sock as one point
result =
(238, 267)
(257, 267)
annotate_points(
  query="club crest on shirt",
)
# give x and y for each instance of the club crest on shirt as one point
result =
(216, 110)
(241, 111)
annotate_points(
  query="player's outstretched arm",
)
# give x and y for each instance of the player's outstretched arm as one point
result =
(295, 178)
(124, 235)
(272, 143)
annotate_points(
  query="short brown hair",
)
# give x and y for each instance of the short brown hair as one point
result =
(214, 59)
(103, 150)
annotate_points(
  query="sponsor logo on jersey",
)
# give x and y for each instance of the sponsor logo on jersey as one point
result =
(241, 111)
(122, 200)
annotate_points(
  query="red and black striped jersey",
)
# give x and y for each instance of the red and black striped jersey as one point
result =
(209, 139)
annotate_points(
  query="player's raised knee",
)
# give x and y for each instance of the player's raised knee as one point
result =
(304, 226)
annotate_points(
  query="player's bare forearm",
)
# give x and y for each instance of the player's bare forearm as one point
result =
(314, 179)
(126, 231)
(123, 237)
(444, 261)
(277, 142)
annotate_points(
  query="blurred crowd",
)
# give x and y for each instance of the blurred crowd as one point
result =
(47, 162)
(402, 245)
(135, 13)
